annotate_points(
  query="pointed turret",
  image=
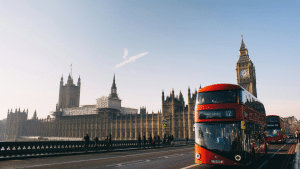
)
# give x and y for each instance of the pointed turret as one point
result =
(189, 94)
(34, 117)
(243, 50)
(70, 79)
(113, 92)
(162, 96)
(173, 93)
(79, 81)
(180, 96)
(243, 46)
(114, 81)
(61, 80)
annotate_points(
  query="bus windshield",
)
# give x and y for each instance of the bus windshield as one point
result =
(274, 132)
(227, 96)
(219, 136)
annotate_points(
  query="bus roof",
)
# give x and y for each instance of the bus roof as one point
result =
(216, 87)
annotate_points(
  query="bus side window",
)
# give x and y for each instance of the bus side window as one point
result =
(250, 130)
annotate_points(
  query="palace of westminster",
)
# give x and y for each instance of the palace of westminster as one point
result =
(107, 117)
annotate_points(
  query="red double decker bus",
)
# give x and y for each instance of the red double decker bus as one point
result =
(230, 126)
(276, 129)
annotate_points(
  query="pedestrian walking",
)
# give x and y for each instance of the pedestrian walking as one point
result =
(139, 142)
(164, 141)
(96, 139)
(144, 139)
(187, 140)
(109, 142)
(87, 140)
(150, 140)
(154, 141)
(158, 140)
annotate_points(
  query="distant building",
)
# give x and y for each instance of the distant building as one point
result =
(291, 124)
(2, 129)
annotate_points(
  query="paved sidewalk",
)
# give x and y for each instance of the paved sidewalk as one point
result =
(297, 157)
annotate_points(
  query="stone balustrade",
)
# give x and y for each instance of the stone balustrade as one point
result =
(39, 148)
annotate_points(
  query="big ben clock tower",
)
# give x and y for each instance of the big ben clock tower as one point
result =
(245, 70)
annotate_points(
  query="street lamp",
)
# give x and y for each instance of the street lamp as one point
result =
(164, 124)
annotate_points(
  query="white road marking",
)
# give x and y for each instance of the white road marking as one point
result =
(190, 166)
(170, 156)
(129, 163)
(271, 156)
(95, 159)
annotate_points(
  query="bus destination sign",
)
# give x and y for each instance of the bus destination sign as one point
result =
(216, 114)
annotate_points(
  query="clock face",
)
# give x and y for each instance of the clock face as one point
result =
(244, 73)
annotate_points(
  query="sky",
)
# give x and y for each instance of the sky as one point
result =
(151, 46)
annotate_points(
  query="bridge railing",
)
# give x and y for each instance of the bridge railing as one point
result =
(37, 148)
(182, 142)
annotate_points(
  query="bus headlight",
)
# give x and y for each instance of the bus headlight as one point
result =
(198, 156)
(237, 157)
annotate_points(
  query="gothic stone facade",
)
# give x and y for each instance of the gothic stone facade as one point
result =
(179, 117)
(107, 118)
(70, 120)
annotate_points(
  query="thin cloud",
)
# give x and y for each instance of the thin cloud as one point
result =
(131, 59)
(125, 54)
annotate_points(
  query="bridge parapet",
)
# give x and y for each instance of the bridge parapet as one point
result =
(38, 148)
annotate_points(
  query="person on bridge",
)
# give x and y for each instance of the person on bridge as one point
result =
(144, 139)
(139, 142)
(87, 140)
(96, 141)
(297, 135)
(150, 141)
(158, 140)
(109, 142)
(187, 140)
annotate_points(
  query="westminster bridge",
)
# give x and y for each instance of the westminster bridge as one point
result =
(126, 154)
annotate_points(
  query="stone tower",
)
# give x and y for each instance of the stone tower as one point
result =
(245, 70)
(69, 94)
(173, 108)
(16, 123)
